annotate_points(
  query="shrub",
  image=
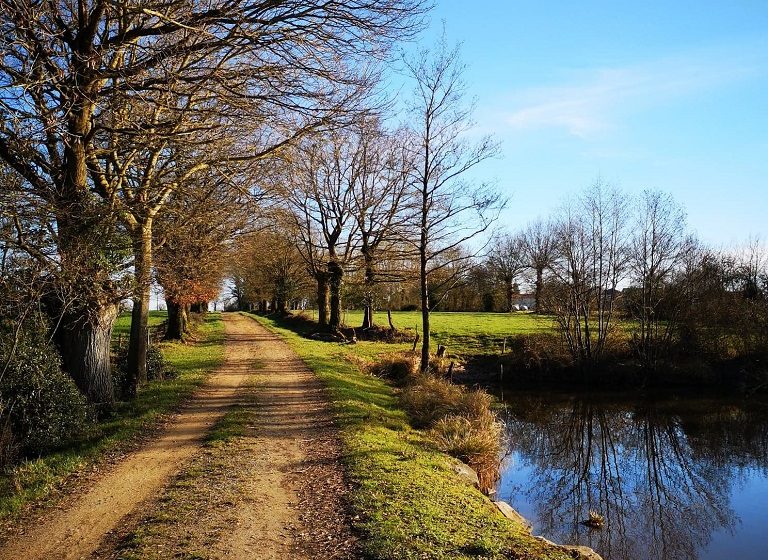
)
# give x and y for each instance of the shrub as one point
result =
(43, 407)
(156, 366)
(461, 421)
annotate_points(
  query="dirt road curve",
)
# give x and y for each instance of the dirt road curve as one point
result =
(293, 415)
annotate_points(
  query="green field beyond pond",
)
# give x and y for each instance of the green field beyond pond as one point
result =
(472, 333)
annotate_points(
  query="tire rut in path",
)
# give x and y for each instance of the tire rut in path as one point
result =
(75, 529)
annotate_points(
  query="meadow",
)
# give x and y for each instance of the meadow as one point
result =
(465, 332)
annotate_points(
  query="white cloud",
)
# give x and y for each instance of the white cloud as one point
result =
(592, 101)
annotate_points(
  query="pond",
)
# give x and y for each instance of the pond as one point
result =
(674, 478)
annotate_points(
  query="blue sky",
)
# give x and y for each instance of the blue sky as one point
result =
(664, 95)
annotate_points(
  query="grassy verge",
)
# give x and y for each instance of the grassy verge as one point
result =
(407, 500)
(39, 478)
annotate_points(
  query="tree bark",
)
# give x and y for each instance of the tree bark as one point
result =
(335, 277)
(368, 288)
(539, 282)
(84, 343)
(425, 338)
(176, 325)
(137, 348)
(322, 299)
(424, 288)
(508, 288)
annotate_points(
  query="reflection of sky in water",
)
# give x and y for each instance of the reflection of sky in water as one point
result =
(676, 480)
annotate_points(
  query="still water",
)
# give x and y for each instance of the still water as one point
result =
(675, 479)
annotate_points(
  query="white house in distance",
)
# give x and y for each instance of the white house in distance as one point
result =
(524, 301)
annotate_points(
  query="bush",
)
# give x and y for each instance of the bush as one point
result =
(43, 408)
(156, 366)
(409, 307)
(461, 421)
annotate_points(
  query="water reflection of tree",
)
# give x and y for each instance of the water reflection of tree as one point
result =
(661, 480)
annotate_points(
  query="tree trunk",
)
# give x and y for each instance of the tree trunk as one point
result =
(175, 326)
(368, 290)
(84, 344)
(322, 299)
(539, 282)
(424, 315)
(335, 276)
(200, 307)
(137, 348)
(508, 288)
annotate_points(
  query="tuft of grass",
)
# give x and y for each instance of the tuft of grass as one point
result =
(407, 501)
(39, 478)
(399, 368)
(476, 441)
(429, 399)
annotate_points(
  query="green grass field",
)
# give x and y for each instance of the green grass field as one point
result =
(122, 326)
(407, 501)
(471, 333)
(39, 478)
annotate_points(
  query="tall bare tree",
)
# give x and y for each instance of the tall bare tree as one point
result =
(540, 250)
(380, 165)
(448, 210)
(658, 247)
(507, 261)
(319, 192)
(591, 261)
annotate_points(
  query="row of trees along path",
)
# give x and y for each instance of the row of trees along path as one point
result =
(293, 450)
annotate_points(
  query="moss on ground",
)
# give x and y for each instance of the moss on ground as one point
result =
(407, 501)
(39, 478)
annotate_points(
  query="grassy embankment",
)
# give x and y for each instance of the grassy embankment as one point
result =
(39, 478)
(407, 500)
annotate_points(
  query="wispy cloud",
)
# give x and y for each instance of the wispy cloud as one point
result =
(591, 101)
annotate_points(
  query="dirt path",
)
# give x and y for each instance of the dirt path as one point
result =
(291, 414)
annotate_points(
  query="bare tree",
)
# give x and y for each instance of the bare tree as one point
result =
(540, 250)
(319, 191)
(657, 250)
(448, 211)
(380, 164)
(507, 260)
(591, 249)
